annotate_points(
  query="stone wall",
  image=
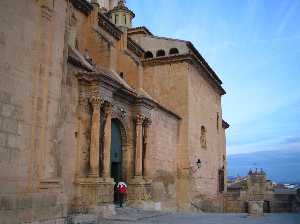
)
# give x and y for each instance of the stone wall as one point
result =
(198, 104)
(204, 111)
(161, 158)
(31, 70)
(171, 83)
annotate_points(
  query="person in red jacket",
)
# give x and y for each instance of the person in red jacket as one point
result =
(122, 188)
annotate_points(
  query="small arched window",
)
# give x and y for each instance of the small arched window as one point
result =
(174, 51)
(203, 137)
(148, 54)
(160, 53)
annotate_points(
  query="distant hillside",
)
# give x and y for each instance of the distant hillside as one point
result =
(280, 166)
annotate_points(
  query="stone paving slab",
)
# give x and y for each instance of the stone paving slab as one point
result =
(129, 216)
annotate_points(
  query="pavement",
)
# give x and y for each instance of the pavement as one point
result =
(130, 215)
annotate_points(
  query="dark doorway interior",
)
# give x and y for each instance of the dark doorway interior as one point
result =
(116, 154)
(267, 207)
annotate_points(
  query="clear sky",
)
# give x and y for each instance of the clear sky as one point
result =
(254, 47)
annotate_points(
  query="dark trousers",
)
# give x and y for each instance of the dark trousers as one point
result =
(121, 199)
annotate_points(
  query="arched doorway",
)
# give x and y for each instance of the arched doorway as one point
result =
(116, 151)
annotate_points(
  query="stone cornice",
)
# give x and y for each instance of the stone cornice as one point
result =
(204, 63)
(139, 30)
(94, 78)
(225, 125)
(109, 27)
(189, 58)
(135, 48)
(83, 6)
(74, 61)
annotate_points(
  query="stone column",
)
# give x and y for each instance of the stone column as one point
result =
(95, 133)
(48, 161)
(83, 139)
(146, 125)
(139, 145)
(107, 140)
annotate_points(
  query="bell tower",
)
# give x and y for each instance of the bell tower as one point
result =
(121, 16)
(107, 4)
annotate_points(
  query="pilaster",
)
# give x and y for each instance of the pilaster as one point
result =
(146, 124)
(139, 145)
(107, 140)
(95, 133)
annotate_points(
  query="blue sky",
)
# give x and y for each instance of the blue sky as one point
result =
(254, 46)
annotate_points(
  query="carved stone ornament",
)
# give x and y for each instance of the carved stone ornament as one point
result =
(107, 108)
(139, 119)
(147, 122)
(95, 101)
(84, 104)
(47, 8)
(119, 112)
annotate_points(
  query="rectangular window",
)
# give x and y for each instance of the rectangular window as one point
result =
(221, 181)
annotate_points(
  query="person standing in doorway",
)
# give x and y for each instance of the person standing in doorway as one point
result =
(122, 188)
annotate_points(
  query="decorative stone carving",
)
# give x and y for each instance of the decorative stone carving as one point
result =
(119, 112)
(95, 102)
(47, 7)
(203, 137)
(83, 104)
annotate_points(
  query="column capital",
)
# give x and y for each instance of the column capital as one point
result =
(107, 108)
(83, 103)
(107, 105)
(139, 118)
(95, 101)
(147, 122)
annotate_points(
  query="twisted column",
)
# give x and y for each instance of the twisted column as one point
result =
(107, 140)
(95, 133)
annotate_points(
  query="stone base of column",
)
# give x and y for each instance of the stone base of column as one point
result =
(91, 192)
(139, 190)
(256, 208)
(50, 184)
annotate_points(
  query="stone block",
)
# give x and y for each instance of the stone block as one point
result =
(81, 219)
(256, 208)
(17, 113)
(60, 221)
(4, 154)
(8, 217)
(13, 141)
(24, 202)
(9, 125)
(5, 97)
(6, 203)
(3, 139)
(7, 110)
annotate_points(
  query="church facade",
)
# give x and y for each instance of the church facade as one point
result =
(87, 100)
